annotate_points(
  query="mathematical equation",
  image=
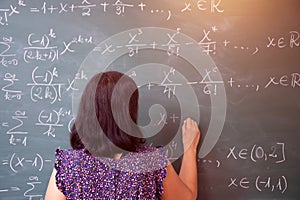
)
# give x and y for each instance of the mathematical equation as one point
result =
(30, 190)
(43, 87)
(257, 152)
(47, 119)
(291, 80)
(17, 162)
(35, 63)
(87, 7)
(40, 47)
(275, 154)
(260, 183)
(210, 86)
(207, 41)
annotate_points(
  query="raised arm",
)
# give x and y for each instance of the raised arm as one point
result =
(184, 185)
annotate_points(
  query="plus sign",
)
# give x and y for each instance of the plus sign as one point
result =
(231, 81)
(149, 85)
(105, 4)
(52, 8)
(173, 117)
(153, 45)
(226, 42)
(142, 5)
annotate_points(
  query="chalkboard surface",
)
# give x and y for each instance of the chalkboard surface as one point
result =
(234, 66)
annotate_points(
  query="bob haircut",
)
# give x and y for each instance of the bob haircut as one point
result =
(106, 121)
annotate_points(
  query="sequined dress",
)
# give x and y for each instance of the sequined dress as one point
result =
(133, 176)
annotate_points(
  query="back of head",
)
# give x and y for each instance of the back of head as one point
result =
(107, 116)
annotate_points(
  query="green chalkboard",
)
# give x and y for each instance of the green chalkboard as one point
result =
(231, 65)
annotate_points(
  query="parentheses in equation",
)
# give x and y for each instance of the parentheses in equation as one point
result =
(218, 163)
(285, 184)
(55, 55)
(24, 56)
(58, 114)
(40, 118)
(42, 161)
(29, 39)
(33, 75)
(11, 163)
(256, 183)
(169, 15)
(252, 153)
(32, 96)
(55, 93)
(46, 44)
(71, 122)
(51, 74)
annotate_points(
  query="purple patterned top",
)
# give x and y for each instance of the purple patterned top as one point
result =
(133, 176)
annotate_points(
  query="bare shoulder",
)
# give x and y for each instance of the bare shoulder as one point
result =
(52, 191)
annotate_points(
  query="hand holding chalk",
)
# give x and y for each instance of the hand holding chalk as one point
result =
(190, 135)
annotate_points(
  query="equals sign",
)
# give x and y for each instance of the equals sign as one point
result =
(4, 162)
(34, 10)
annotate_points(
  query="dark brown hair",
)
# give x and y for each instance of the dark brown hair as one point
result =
(107, 116)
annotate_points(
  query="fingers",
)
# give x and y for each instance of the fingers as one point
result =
(189, 123)
(190, 126)
(190, 134)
